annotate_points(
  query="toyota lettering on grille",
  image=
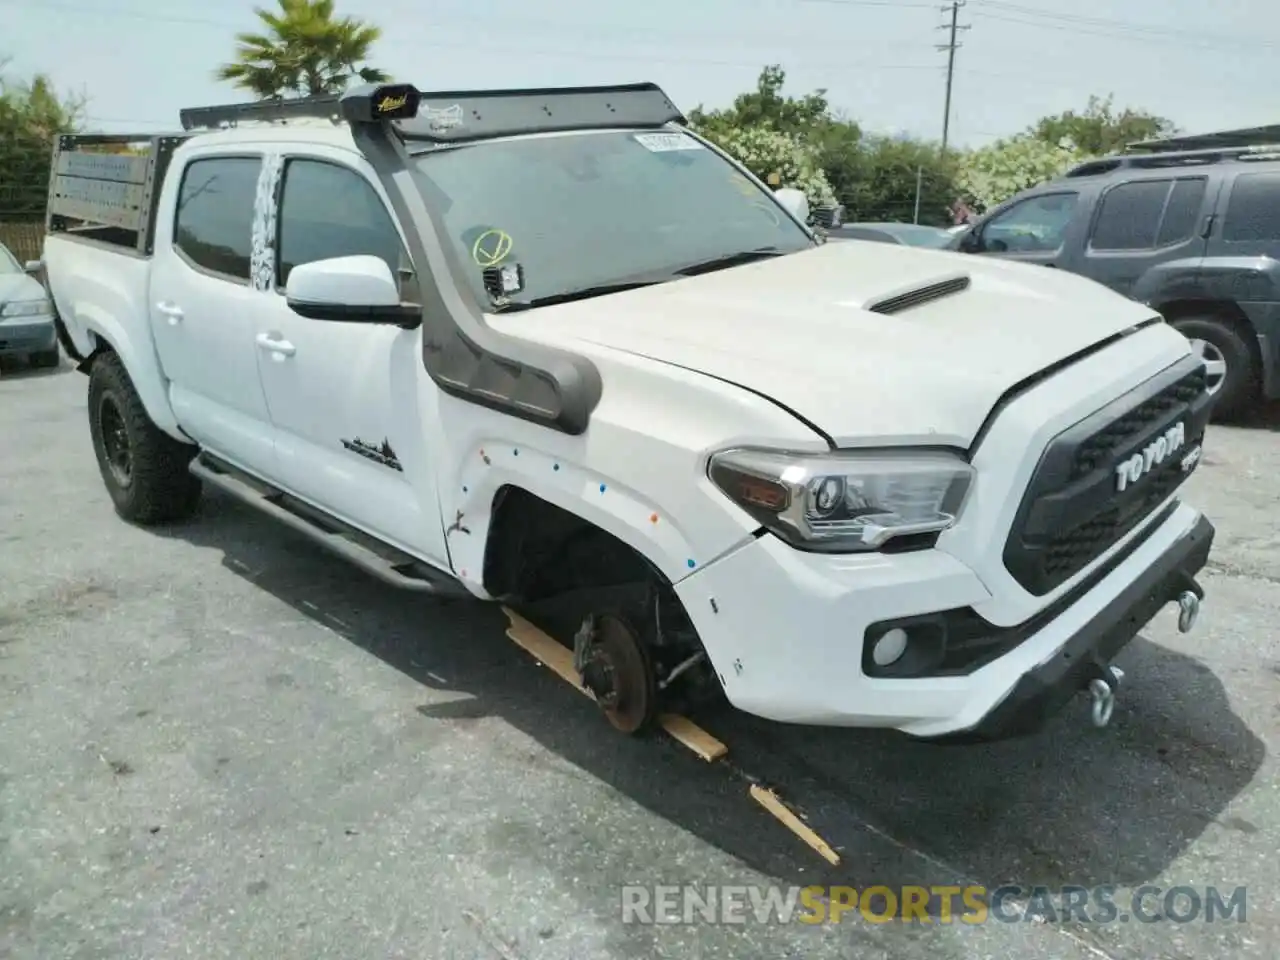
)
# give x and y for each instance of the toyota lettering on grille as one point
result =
(1134, 468)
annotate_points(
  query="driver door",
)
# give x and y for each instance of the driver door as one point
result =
(353, 410)
(1047, 229)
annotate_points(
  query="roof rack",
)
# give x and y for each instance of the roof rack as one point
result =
(276, 109)
(1223, 139)
(1180, 158)
(459, 116)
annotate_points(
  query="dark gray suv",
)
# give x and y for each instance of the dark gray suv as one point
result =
(1195, 233)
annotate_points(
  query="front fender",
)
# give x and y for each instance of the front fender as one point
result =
(627, 514)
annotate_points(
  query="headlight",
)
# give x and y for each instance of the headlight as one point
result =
(844, 502)
(26, 308)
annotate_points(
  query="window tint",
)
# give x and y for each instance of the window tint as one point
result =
(213, 225)
(1129, 216)
(1253, 212)
(1036, 225)
(1182, 213)
(331, 211)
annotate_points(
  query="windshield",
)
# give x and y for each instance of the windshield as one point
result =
(8, 263)
(589, 210)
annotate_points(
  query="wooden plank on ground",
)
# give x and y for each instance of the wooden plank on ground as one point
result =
(693, 736)
(545, 648)
(769, 800)
(560, 659)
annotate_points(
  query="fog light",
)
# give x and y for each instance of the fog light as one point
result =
(889, 648)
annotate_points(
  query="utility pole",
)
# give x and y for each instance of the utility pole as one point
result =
(950, 46)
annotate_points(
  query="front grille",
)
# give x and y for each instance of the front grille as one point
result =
(1072, 512)
(1137, 423)
(1068, 553)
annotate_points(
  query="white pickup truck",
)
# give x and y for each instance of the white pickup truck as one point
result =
(524, 346)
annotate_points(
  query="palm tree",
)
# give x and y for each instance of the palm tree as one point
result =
(304, 51)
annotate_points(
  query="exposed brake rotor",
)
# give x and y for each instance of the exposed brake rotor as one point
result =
(616, 668)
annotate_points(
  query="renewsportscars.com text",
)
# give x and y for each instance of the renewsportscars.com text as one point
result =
(937, 904)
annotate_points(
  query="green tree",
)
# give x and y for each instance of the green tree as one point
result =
(305, 50)
(878, 179)
(765, 105)
(1100, 129)
(32, 115)
(996, 172)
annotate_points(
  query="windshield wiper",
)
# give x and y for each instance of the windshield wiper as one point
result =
(583, 293)
(729, 260)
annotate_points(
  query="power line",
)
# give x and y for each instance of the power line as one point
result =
(1115, 29)
(950, 46)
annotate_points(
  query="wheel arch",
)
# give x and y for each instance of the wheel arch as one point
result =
(106, 334)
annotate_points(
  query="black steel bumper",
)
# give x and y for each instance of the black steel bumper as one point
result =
(1043, 692)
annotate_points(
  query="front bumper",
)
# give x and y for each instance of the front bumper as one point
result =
(1045, 690)
(28, 335)
(785, 631)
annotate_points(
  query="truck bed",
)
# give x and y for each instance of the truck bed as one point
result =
(105, 187)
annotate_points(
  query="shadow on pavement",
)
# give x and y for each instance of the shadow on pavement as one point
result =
(1265, 417)
(13, 369)
(1073, 805)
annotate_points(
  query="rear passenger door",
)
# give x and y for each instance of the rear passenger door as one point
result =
(202, 306)
(1138, 224)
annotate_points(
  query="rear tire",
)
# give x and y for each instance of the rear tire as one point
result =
(144, 469)
(1238, 385)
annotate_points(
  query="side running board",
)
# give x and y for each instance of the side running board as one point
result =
(385, 562)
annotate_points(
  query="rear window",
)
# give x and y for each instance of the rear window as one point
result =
(1146, 214)
(213, 225)
(1253, 212)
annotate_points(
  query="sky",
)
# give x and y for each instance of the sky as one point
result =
(1201, 64)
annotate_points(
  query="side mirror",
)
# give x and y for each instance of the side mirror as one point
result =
(970, 241)
(796, 203)
(33, 266)
(357, 289)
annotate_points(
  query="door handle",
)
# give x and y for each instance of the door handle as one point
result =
(283, 347)
(171, 311)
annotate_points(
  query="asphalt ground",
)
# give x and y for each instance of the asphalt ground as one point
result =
(217, 741)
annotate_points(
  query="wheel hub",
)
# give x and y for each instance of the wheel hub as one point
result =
(1215, 364)
(115, 441)
(618, 672)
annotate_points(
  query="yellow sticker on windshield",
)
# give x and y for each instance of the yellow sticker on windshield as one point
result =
(491, 248)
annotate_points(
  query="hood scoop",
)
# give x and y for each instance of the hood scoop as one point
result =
(917, 296)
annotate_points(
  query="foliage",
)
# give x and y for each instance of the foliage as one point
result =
(776, 158)
(996, 172)
(1099, 129)
(304, 51)
(875, 178)
(877, 181)
(766, 106)
(32, 115)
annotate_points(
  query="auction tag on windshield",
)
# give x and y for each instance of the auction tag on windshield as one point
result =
(663, 142)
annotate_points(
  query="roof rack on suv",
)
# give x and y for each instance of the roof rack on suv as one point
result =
(1244, 137)
(456, 116)
(1180, 158)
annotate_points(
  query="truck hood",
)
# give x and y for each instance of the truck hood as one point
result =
(798, 329)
